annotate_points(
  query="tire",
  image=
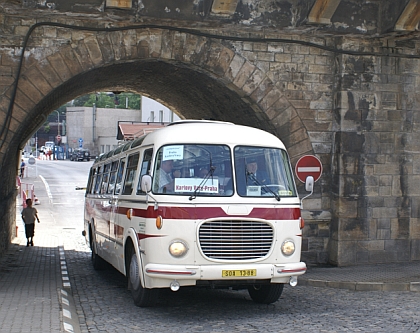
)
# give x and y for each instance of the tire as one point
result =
(142, 297)
(266, 293)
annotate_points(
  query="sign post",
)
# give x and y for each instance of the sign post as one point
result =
(306, 166)
(31, 161)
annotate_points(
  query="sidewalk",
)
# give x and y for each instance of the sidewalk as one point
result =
(378, 277)
(35, 292)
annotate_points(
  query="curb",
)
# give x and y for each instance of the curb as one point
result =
(70, 320)
(361, 286)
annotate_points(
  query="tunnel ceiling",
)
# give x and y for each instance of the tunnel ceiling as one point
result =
(186, 91)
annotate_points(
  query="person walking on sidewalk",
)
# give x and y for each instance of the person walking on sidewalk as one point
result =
(22, 168)
(29, 214)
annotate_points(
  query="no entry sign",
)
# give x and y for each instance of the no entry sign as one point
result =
(308, 165)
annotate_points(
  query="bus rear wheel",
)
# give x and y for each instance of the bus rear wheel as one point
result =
(142, 297)
(266, 293)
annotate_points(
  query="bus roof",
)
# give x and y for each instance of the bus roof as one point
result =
(211, 132)
(202, 132)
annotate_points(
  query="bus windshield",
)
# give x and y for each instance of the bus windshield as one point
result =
(263, 172)
(193, 169)
(206, 170)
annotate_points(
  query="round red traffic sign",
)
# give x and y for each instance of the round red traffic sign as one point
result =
(308, 165)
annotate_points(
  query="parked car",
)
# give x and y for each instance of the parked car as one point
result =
(80, 154)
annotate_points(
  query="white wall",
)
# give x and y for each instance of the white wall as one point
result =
(80, 125)
(149, 105)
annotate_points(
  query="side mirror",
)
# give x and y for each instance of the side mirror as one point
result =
(146, 183)
(309, 184)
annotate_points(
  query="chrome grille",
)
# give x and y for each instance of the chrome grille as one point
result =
(235, 240)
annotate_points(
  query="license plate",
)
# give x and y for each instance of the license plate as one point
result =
(239, 273)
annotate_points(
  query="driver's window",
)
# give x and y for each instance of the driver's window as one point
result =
(144, 168)
(263, 171)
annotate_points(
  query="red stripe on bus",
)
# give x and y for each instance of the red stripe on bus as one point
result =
(144, 236)
(199, 213)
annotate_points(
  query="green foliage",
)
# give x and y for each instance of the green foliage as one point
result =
(47, 128)
(110, 100)
(81, 100)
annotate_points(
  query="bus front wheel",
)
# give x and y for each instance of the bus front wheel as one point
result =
(142, 297)
(266, 293)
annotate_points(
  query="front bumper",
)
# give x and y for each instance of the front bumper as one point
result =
(160, 276)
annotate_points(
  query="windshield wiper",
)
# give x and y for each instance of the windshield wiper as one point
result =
(255, 180)
(207, 176)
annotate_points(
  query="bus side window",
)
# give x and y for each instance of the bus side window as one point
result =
(105, 176)
(133, 161)
(119, 176)
(98, 180)
(145, 168)
(112, 177)
(92, 178)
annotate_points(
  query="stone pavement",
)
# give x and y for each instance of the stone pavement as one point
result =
(36, 295)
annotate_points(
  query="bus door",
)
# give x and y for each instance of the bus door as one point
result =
(139, 202)
(114, 190)
(124, 202)
(112, 197)
(103, 222)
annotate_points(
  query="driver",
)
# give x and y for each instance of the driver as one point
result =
(255, 176)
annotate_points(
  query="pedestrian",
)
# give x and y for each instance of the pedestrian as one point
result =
(29, 214)
(22, 168)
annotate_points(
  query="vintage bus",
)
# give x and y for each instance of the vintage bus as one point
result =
(197, 203)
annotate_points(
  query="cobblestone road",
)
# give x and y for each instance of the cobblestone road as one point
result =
(104, 305)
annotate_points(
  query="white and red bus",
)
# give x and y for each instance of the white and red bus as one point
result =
(197, 203)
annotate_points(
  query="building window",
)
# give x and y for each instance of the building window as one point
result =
(161, 116)
(152, 116)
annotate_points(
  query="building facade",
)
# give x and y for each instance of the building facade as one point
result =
(96, 128)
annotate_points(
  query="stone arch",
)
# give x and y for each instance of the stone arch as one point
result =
(212, 74)
(210, 58)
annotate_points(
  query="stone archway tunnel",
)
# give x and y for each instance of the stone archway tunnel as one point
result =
(343, 91)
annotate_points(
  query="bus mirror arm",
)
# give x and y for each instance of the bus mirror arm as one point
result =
(146, 186)
(156, 206)
(309, 186)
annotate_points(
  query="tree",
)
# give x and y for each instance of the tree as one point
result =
(81, 100)
(122, 100)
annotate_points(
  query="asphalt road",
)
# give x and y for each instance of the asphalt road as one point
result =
(60, 179)
(104, 304)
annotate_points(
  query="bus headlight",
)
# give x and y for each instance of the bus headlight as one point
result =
(178, 248)
(288, 248)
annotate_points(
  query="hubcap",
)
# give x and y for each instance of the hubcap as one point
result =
(134, 272)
